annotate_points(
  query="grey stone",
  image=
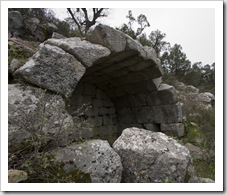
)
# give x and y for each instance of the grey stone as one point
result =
(173, 129)
(206, 180)
(30, 24)
(109, 120)
(14, 65)
(157, 82)
(151, 157)
(132, 44)
(89, 89)
(52, 68)
(196, 152)
(56, 35)
(167, 94)
(94, 157)
(206, 97)
(108, 37)
(192, 89)
(152, 127)
(32, 111)
(84, 51)
(112, 110)
(161, 114)
(102, 110)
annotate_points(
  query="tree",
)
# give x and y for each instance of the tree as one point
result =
(156, 40)
(85, 18)
(141, 21)
(175, 61)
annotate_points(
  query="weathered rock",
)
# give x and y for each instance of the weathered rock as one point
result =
(151, 157)
(52, 68)
(30, 24)
(56, 35)
(196, 152)
(33, 112)
(95, 157)
(15, 176)
(205, 180)
(167, 94)
(173, 129)
(152, 127)
(15, 22)
(82, 50)
(206, 97)
(192, 89)
(108, 37)
(14, 65)
(161, 114)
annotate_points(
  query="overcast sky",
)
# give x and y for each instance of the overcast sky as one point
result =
(192, 28)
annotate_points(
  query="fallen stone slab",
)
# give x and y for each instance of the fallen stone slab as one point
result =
(149, 157)
(53, 69)
(94, 157)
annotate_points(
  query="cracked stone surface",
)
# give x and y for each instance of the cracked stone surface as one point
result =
(95, 157)
(151, 157)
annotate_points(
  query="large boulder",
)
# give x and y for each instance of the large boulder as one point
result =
(53, 69)
(94, 157)
(151, 157)
(84, 51)
(34, 113)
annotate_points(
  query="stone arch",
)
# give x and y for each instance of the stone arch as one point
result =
(110, 63)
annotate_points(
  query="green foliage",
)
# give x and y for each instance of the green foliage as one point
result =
(18, 52)
(175, 61)
(141, 22)
(156, 39)
(205, 169)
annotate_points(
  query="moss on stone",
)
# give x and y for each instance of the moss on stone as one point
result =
(205, 169)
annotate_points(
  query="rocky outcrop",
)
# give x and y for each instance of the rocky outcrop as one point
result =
(35, 113)
(94, 157)
(29, 28)
(151, 157)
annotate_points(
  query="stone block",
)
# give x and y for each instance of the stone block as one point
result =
(126, 116)
(102, 111)
(108, 37)
(167, 94)
(173, 129)
(112, 110)
(107, 103)
(161, 114)
(53, 69)
(100, 94)
(109, 120)
(97, 102)
(89, 90)
(86, 52)
(152, 127)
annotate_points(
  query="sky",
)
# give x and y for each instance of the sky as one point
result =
(192, 28)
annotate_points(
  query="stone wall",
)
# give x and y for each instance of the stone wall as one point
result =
(93, 112)
(114, 80)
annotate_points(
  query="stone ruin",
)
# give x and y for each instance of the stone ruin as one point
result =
(111, 82)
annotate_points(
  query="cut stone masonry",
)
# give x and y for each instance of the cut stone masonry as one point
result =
(111, 82)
